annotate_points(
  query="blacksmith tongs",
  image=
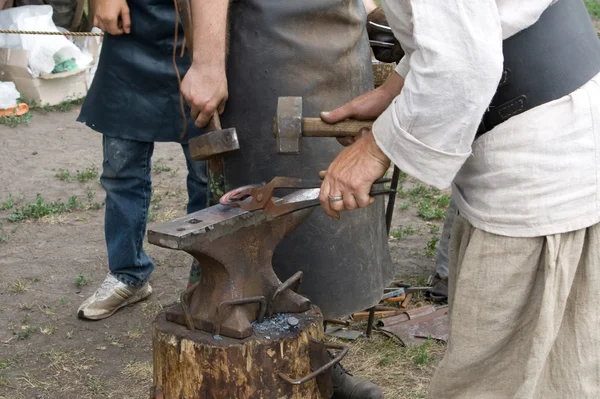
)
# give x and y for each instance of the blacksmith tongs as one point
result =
(260, 196)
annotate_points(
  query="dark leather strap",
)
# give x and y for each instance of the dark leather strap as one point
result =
(550, 59)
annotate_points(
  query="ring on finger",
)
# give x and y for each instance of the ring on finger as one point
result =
(335, 198)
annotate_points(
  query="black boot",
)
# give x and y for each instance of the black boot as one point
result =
(345, 386)
(439, 290)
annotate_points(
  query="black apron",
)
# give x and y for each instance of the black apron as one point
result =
(135, 92)
(317, 49)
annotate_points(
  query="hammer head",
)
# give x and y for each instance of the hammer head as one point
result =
(212, 144)
(288, 127)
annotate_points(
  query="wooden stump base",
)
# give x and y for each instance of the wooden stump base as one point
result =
(197, 365)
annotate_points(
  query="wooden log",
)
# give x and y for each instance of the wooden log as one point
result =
(197, 365)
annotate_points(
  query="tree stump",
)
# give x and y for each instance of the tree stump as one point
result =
(197, 365)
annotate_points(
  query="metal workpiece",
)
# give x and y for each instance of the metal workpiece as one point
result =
(260, 196)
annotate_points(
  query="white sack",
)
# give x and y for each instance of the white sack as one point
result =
(45, 51)
(9, 95)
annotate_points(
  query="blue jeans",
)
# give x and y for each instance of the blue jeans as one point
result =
(126, 179)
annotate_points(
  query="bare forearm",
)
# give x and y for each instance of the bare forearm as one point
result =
(210, 31)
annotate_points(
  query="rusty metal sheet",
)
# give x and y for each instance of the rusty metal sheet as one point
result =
(417, 330)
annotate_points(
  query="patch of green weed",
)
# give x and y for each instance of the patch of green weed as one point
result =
(8, 204)
(87, 174)
(430, 249)
(64, 175)
(401, 232)
(40, 208)
(593, 7)
(64, 106)
(80, 280)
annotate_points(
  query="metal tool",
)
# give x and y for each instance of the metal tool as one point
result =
(237, 285)
(260, 197)
(214, 144)
(217, 141)
(289, 126)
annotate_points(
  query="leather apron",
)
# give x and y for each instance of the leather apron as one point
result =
(135, 91)
(317, 49)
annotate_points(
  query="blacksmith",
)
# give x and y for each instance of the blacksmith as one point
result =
(306, 48)
(501, 99)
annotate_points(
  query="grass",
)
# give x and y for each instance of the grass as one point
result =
(430, 249)
(64, 106)
(401, 232)
(152, 216)
(40, 208)
(401, 372)
(48, 330)
(80, 280)
(16, 120)
(95, 385)
(434, 228)
(8, 204)
(593, 7)
(91, 196)
(159, 168)
(64, 175)
(25, 333)
(141, 371)
(87, 174)
(18, 287)
(155, 201)
(428, 210)
(82, 176)
(420, 354)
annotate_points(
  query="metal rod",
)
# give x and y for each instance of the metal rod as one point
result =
(292, 283)
(262, 303)
(370, 321)
(344, 350)
(389, 213)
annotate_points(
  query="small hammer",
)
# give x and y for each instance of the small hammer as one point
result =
(289, 126)
(218, 141)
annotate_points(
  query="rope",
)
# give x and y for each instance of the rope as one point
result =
(33, 32)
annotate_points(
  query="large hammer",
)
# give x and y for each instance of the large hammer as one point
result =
(289, 126)
(217, 142)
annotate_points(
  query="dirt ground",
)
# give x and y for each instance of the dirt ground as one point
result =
(50, 264)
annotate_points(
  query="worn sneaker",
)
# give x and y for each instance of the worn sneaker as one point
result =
(110, 297)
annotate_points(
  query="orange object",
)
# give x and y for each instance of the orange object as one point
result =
(20, 109)
(396, 298)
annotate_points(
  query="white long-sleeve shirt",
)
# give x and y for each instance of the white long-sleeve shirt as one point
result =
(537, 173)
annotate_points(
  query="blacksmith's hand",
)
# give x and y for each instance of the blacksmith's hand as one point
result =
(204, 87)
(348, 180)
(367, 106)
(112, 16)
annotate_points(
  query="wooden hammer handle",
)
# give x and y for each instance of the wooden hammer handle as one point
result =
(315, 127)
(214, 124)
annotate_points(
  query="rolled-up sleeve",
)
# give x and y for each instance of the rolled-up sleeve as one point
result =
(451, 73)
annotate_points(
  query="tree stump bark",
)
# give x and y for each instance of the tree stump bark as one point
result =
(197, 365)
